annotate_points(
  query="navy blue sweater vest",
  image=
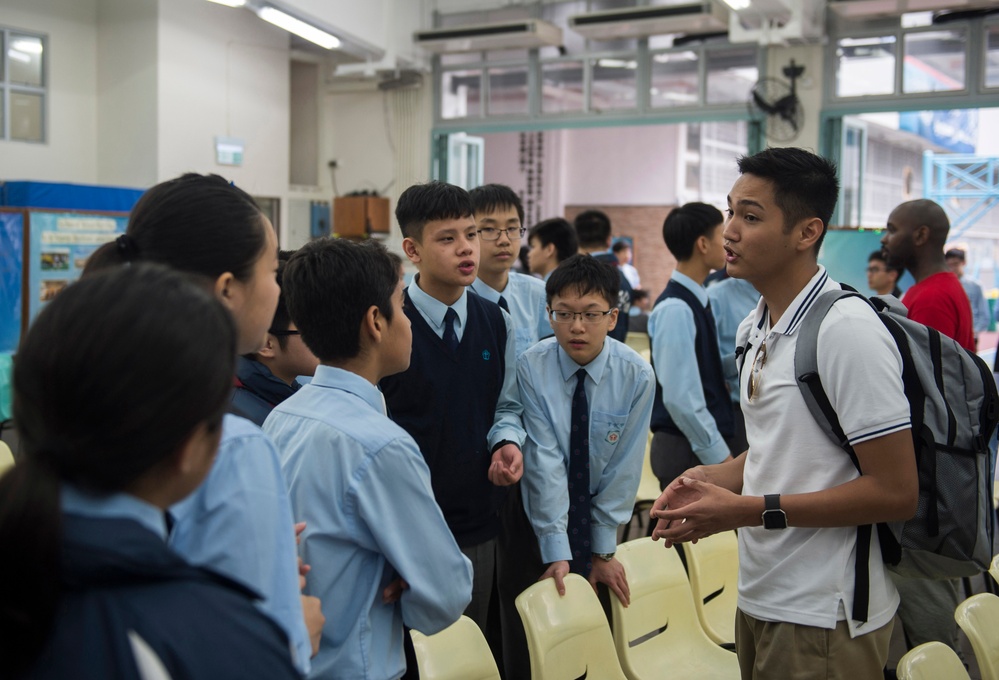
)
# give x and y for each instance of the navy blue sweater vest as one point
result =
(447, 402)
(708, 365)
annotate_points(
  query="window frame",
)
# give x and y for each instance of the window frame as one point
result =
(7, 88)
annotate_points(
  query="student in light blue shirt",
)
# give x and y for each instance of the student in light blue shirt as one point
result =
(692, 417)
(499, 216)
(550, 241)
(382, 554)
(619, 386)
(732, 300)
(239, 521)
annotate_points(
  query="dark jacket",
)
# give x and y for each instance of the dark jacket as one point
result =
(257, 390)
(120, 578)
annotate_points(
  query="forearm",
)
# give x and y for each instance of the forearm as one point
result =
(727, 475)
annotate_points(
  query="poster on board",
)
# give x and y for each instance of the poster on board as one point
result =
(59, 247)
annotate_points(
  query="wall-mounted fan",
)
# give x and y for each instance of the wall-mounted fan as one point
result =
(778, 101)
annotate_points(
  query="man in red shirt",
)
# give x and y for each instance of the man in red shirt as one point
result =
(915, 238)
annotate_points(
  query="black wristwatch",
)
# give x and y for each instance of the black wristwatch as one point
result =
(773, 516)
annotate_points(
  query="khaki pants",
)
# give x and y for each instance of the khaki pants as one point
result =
(788, 651)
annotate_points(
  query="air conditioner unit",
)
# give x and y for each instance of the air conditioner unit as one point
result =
(639, 22)
(863, 9)
(525, 34)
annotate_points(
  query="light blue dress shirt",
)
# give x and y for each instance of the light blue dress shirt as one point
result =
(620, 388)
(732, 300)
(526, 298)
(673, 334)
(979, 307)
(360, 483)
(239, 523)
(74, 501)
(506, 423)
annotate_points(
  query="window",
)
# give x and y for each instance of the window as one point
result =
(992, 57)
(934, 61)
(865, 66)
(22, 86)
(461, 94)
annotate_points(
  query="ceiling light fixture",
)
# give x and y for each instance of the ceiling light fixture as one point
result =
(298, 27)
(230, 3)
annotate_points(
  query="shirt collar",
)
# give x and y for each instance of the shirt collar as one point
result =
(796, 311)
(338, 378)
(693, 286)
(486, 291)
(75, 501)
(594, 369)
(433, 309)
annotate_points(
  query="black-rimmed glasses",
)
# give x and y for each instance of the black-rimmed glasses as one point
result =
(561, 316)
(493, 234)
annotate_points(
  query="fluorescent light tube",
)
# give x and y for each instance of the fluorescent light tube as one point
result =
(298, 27)
(27, 46)
(737, 4)
(230, 3)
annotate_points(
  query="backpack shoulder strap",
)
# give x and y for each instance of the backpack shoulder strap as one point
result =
(806, 367)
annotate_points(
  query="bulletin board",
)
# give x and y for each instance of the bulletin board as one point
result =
(844, 254)
(11, 274)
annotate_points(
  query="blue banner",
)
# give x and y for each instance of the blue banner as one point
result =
(11, 272)
(955, 130)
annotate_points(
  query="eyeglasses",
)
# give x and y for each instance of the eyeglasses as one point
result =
(756, 377)
(560, 316)
(876, 270)
(281, 334)
(492, 234)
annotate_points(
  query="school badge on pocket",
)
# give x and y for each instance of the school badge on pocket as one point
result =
(613, 436)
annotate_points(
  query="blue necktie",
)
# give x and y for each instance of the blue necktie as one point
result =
(578, 524)
(450, 336)
(503, 304)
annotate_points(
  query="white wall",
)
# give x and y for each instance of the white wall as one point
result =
(127, 103)
(70, 154)
(223, 72)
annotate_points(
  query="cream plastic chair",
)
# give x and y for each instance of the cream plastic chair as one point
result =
(641, 343)
(459, 652)
(994, 569)
(567, 637)
(658, 635)
(6, 457)
(648, 492)
(931, 661)
(713, 568)
(978, 617)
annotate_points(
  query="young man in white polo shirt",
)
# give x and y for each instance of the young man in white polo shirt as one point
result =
(796, 497)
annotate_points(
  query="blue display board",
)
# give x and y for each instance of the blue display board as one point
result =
(61, 196)
(11, 272)
(844, 254)
(59, 248)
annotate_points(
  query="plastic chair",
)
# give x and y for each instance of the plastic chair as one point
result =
(459, 652)
(6, 457)
(994, 569)
(648, 492)
(713, 568)
(639, 342)
(978, 617)
(658, 635)
(567, 637)
(931, 661)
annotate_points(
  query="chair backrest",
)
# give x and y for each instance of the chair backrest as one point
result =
(994, 569)
(931, 661)
(6, 457)
(567, 636)
(648, 485)
(661, 619)
(978, 617)
(713, 567)
(639, 342)
(459, 652)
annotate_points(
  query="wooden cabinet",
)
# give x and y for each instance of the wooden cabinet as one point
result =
(360, 216)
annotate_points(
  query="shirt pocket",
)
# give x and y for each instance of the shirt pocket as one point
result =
(605, 436)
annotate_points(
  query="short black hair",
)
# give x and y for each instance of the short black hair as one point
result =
(879, 255)
(330, 284)
(954, 254)
(556, 230)
(593, 227)
(583, 274)
(492, 197)
(687, 223)
(619, 246)
(638, 294)
(805, 184)
(430, 202)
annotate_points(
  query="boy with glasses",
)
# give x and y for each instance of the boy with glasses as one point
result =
(499, 215)
(883, 278)
(587, 402)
